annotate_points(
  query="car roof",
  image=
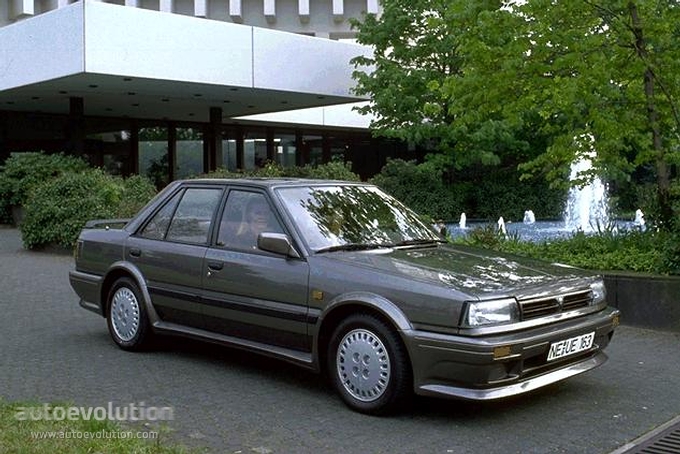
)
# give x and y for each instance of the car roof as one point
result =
(271, 182)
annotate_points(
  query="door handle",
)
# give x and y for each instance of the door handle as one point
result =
(215, 266)
(135, 252)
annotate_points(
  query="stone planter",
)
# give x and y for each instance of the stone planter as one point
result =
(17, 215)
(646, 301)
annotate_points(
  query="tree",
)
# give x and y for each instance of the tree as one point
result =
(417, 47)
(586, 74)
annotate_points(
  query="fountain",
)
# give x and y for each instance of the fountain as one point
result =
(529, 217)
(587, 206)
(639, 220)
(501, 226)
(463, 221)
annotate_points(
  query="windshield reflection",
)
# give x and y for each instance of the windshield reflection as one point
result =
(332, 216)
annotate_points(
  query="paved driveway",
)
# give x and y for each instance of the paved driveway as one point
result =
(230, 401)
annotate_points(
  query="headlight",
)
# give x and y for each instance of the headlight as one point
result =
(494, 312)
(599, 292)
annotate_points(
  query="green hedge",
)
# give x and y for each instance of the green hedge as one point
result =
(22, 172)
(58, 209)
(334, 170)
(481, 193)
(421, 187)
(648, 252)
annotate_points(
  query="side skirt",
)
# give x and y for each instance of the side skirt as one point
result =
(296, 357)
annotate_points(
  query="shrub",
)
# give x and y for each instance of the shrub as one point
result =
(649, 252)
(334, 170)
(493, 192)
(22, 172)
(421, 187)
(58, 209)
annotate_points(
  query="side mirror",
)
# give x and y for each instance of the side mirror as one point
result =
(278, 243)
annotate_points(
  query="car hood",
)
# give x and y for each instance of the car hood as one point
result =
(472, 271)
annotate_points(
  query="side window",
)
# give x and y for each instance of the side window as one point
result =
(245, 216)
(191, 221)
(157, 227)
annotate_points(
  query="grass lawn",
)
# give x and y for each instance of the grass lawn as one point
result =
(25, 430)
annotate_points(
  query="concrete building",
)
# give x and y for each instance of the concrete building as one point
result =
(184, 85)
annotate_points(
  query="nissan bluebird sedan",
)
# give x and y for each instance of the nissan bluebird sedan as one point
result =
(343, 279)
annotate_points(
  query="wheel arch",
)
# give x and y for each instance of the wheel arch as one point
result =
(124, 269)
(340, 308)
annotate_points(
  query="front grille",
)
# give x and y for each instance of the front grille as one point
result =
(543, 306)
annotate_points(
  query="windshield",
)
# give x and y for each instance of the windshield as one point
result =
(330, 217)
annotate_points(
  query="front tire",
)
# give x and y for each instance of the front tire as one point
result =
(368, 365)
(126, 316)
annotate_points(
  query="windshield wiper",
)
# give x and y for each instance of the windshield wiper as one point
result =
(352, 247)
(421, 242)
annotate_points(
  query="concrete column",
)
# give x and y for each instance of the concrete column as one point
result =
(372, 7)
(201, 8)
(21, 8)
(271, 152)
(235, 10)
(75, 134)
(338, 10)
(300, 158)
(166, 6)
(4, 151)
(206, 148)
(303, 10)
(133, 166)
(325, 148)
(239, 148)
(214, 138)
(270, 10)
(172, 151)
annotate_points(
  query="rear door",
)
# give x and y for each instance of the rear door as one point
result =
(250, 293)
(169, 250)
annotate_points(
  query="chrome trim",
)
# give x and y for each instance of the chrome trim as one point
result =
(519, 387)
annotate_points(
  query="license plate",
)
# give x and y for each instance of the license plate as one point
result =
(570, 346)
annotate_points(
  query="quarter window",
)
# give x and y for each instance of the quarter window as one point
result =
(157, 227)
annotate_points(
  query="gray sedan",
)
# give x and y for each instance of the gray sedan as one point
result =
(343, 279)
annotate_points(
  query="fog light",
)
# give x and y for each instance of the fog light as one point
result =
(616, 321)
(501, 352)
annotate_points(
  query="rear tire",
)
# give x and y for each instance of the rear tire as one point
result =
(126, 316)
(368, 365)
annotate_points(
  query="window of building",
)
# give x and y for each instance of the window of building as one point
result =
(254, 150)
(189, 152)
(229, 150)
(285, 149)
(110, 150)
(312, 149)
(153, 154)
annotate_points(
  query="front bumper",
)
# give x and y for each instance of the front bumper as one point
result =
(498, 366)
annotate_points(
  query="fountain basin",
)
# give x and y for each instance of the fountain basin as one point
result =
(537, 231)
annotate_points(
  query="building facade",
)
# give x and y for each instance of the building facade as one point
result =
(185, 85)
